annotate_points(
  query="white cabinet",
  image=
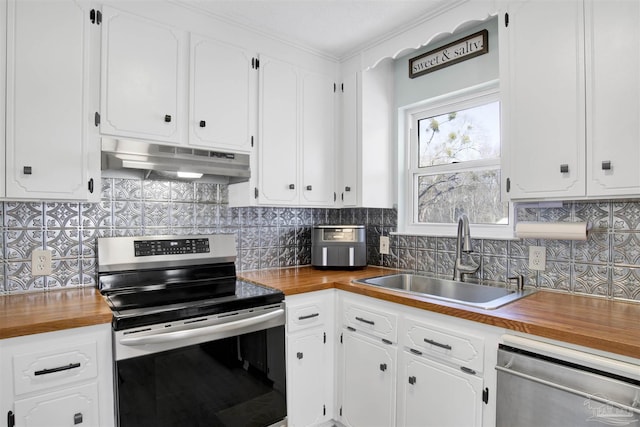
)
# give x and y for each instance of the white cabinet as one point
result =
(58, 378)
(310, 364)
(368, 362)
(435, 395)
(143, 91)
(222, 95)
(295, 145)
(367, 143)
(52, 148)
(368, 381)
(441, 375)
(3, 69)
(613, 97)
(571, 133)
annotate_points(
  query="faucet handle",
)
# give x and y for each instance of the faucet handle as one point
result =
(519, 279)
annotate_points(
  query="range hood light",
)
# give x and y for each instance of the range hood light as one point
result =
(189, 175)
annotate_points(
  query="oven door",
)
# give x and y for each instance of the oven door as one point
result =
(223, 370)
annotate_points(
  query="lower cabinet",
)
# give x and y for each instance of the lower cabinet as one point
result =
(310, 353)
(59, 378)
(431, 394)
(368, 395)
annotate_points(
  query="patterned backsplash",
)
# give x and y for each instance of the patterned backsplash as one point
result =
(607, 264)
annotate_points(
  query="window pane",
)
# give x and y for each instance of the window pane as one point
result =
(458, 136)
(443, 197)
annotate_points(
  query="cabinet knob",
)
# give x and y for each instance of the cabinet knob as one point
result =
(292, 187)
(309, 188)
(347, 188)
(26, 170)
(383, 367)
(77, 418)
(202, 123)
(299, 355)
(412, 380)
(606, 165)
(167, 118)
(564, 168)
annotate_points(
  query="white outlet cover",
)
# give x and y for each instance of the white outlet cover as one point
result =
(537, 258)
(41, 262)
(384, 245)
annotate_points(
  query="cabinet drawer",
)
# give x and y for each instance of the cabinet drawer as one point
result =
(54, 367)
(370, 318)
(74, 406)
(456, 347)
(306, 315)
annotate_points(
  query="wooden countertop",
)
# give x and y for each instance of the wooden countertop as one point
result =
(37, 312)
(612, 326)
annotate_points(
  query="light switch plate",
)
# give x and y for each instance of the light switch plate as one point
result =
(41, 262)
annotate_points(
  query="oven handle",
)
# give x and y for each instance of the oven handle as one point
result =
(167, 337)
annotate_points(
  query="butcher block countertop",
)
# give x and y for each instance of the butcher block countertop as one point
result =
(612, 326)
(37, 312)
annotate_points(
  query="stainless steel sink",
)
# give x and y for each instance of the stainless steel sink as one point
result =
(481, 296)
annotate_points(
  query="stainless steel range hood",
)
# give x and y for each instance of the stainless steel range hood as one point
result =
(174, 162)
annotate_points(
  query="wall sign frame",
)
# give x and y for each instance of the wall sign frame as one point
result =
(460, 50)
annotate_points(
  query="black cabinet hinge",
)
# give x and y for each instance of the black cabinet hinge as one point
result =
(341, 411)
(508, 184)
(342, 87)
(334, 88)
(255, 192)
(485, 395)
(252, 140)
(335, 196)
(324, 337)
(340, 343)
(324, 410)
(96, 119)
(255, 63)
(95, 16)
(11, 419)
(506, 19)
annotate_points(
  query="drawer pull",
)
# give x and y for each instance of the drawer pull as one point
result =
(309, 316)
(437, 344)
(58, 369)
(414, 351)
(368, 322)
(467, 370)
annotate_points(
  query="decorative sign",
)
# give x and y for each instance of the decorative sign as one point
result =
(460, 50)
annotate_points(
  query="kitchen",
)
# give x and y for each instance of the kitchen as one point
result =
(276, 231)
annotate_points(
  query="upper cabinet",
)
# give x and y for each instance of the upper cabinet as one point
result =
(295, 147)
(51, 140)
(222, 95)
(142, 78)
(3, 69)
(367, 142)
(571, 104)
(613, 97)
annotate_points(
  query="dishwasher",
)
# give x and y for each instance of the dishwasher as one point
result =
(541, 384)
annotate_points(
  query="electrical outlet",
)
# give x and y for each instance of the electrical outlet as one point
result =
(384, 245)
(537, 257)
(41, 262)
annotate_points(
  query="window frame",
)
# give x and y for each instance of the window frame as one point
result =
(408, 169)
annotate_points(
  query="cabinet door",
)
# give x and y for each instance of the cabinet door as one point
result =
(308, 374)
(47, 92)
(542, 76)
(317, 140)
(3, 68)
(613, 97)
(142, 82)
(222, 91)
(69, 407)
(368, 382)
(434, 395)
(278, 133)
(349, 157)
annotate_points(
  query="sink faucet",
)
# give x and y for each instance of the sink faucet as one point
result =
(463, 244)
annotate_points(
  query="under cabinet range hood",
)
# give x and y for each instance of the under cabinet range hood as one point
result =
(164, 161)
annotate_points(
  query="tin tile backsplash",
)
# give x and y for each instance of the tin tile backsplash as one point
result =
(607, 264)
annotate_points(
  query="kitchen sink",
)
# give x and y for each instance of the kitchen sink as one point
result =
(481, 296)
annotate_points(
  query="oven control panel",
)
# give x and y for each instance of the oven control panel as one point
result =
(171, 246)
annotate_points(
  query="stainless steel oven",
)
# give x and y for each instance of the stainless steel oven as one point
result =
(192, 344)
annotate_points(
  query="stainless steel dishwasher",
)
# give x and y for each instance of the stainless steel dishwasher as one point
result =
(540, 384)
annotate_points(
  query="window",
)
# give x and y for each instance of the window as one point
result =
(453, 165)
